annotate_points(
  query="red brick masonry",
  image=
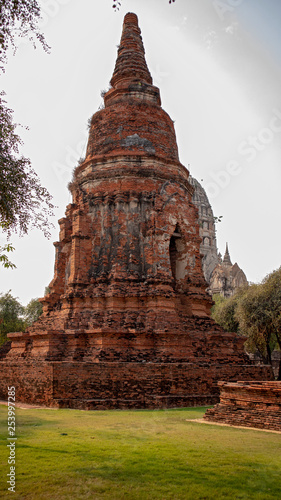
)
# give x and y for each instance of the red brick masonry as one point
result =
(127, 320)
(119, 385)
(249, 404)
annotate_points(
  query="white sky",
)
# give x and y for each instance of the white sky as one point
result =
(217, 63)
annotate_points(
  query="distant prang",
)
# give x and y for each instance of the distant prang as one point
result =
(127, 323)
(222, 276)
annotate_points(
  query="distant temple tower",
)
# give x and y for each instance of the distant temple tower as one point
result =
(127, 320)
(226, 278)
(223, 277)
(207, 230)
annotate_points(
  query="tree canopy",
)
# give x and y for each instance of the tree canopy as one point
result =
(14, 317)
(259, 314)
(223, 312)
(254, 311)
(24, 203)
(32, 311)
(11, 316)
(18, 18)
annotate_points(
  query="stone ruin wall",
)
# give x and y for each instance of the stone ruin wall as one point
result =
(248, 404)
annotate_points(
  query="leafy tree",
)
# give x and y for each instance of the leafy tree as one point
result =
(4, 258)
(32, 311)
(11, 316)
(254, 323)
(14, 317)
(259, 314)
(224, 310)
(272, 286)
(218, 301)
(254, 311)
(24, 203)
(18, 18)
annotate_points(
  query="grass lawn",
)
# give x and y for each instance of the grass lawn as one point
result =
(69, 454)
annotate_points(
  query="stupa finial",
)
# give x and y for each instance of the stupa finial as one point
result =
(130, 64)
(226, 259)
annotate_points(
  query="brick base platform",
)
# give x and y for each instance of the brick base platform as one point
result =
(248, 404)
(119, 385)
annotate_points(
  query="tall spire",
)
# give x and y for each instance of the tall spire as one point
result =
(132, 120)
(226, 260)
(130, 64)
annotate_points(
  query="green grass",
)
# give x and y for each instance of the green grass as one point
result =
(137, 455)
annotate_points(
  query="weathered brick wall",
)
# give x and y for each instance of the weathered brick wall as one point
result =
(198, 343)
(249, 404)
(33, 381)
(120, 385)
(131, 132)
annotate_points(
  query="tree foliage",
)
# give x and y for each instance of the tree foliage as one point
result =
(254, 323)
(259, 314)
(24, 203)
(18, 18)
(255, 311)
(4, 259)
(223, 312)
(14, 317)
(32, 311)
(11, 316)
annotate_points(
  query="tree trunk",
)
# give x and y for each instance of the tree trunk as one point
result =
(279, 368)
(268, 353)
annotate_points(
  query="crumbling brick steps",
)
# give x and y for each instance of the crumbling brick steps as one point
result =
(248, 404)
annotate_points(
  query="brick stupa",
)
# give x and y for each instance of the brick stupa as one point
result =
(127, 320)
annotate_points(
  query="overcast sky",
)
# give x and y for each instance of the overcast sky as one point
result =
(217, 63)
